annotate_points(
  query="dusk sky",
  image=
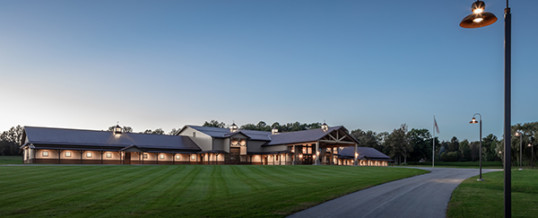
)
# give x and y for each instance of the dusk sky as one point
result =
(372, 65)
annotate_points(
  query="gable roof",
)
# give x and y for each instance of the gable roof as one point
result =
(301, 136)
(216, 132)
(364, 153)
(272, 139)
(78, 137)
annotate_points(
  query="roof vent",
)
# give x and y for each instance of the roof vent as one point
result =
(274, 131)
(324, 127)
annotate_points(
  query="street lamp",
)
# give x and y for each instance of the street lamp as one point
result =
(480, 18)
(479, 148)
(520, 134)
(532, 155)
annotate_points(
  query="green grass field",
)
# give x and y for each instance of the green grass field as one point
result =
(10, 159)
(485, 199)
(180, 190)
(464, 164)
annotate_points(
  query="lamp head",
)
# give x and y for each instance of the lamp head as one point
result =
(473, 120)
(479, 17)
(518, 133)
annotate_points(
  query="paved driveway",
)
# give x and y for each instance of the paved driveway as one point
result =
(419, 196)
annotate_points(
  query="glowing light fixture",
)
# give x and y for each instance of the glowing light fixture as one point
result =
(324, 127)
(234, 128)
(479, 17)
(118, 130)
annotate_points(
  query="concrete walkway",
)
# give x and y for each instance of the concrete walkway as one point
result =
(419, 196)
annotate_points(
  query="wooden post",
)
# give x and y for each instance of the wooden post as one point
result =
(355, 156)
(316, 161)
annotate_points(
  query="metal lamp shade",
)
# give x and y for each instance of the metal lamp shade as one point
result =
(487, 19)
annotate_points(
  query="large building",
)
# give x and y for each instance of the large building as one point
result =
(198, 145)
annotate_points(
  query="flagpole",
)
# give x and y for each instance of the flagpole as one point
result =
(433, 141)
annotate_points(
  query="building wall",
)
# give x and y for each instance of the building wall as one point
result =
(205, 142)
(255, 146)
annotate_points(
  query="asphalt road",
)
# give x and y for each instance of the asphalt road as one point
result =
(419, 196)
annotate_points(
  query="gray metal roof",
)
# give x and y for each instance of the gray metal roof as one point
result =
(364, 153)
(216, 132)
(276, 139)
(60, 136)
(300, 136)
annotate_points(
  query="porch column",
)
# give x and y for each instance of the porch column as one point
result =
(355, 156)
(293, 156)
(316, 152)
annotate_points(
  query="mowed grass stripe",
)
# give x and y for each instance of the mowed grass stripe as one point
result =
(186, 190)
(66, 192)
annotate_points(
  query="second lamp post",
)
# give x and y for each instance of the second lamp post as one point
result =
(479, 148)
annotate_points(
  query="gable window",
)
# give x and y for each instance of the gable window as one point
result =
(108, 155)
(88, 154)
(45, 153)
(68, 154)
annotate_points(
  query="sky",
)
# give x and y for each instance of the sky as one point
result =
(372, 65)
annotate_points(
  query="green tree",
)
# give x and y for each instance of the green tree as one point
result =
(10, 141)
(214, 123)
(419, 140)
(399, 145)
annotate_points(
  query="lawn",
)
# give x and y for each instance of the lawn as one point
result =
(180, 190)
(10, 159)
(485, 199)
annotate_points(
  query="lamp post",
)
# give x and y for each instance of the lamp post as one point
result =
(479, 148)
(480, 18)
(532, 155)
(520, 134)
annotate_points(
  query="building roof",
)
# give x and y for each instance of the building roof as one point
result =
(77, 137)
(216, 132)
(365, 153)
(300, 136)
(272, 139)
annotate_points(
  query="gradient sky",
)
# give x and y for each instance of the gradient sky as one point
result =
(363, 64)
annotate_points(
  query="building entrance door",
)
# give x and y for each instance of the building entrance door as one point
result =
(127, 158)
(234, 156)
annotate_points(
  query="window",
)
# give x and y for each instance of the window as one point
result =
(68, 154)
(108, 155)
(45, 153)
(145, 156)
(178, 157)
(89, 154)
(161, 156)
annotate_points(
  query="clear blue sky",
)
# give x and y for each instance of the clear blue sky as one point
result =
(163, 64)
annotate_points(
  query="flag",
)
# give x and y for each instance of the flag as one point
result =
(435, 125)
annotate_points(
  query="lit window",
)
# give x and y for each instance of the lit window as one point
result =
(88, 154)
(243, 142)
(178, 157)
(145, 156)
(108, 155)
(68, 154)
(161, 156)
(45, 153)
